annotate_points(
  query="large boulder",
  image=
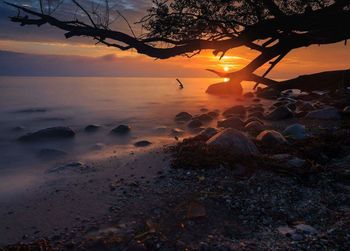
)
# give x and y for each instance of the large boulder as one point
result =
(92, 128)
(231, 122)
(328, 113)
(281, 112)
(271, 137)
(225, 89)
(58, 132)
(254, 126)
(234, 140)
(296, 131)
(194, 123)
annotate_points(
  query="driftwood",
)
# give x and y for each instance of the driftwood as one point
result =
(330, 80)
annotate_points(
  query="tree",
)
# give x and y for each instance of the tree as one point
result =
(185, 27)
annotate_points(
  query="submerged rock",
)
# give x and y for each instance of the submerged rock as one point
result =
(72, 166)
(289, 161)
(234, 110)
(296, 131)
(91, 128)
(326, 114)
(234, 140)
(254, 126)
(183, 116)
(121, 129)
(213, 114)
(281, 112)
(195, 123)
(142, 143)
(231, 122)
(59, 132)
(204, 118)
(207, 133)
(177, 131)
(271, 137)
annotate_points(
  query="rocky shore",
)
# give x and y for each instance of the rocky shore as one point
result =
(271, 173)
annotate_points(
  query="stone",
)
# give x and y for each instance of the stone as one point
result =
(296, 131)
(234, 110)
(231, 122)
(92, 128)
(73, 166)
(177, 131)
(59, 132)
(281, 112)
(204, 118)
(328, 113)
(289, 160)
(183, 116)
(306, 107)
(248, 95)
(271, 137)
(225, 89)
(250, 119)
(306, 229)
(234, 140)
(208, 133)
(286, 230)
(254, 126)
(142, 143)
(257, 114)
(195, 123)
(213, 114)
(121, 129)
(297, 237)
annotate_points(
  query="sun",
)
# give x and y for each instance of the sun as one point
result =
(226, 68)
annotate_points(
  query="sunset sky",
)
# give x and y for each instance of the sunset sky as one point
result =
(45, 51)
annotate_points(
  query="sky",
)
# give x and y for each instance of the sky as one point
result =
(45, 52)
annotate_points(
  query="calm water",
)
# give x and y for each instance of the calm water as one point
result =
(143, 103)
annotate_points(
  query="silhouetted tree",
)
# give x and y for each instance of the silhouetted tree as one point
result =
(185, 27)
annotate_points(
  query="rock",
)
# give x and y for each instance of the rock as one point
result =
(306, 107)
(286, 230)
(231, 122)
(248, 95)
(204, 118)
(289, 160)
(225, 89)
(235, 141)
(281, 112)
(183, 116)
(142, 143)
(177, 131)
(268, 93)
(306, 229)
(256, 114)
(346, 110)
(234, 110)
(271, 137)
(256, 109)
(195, 123)
(296, 131)
(69, 166)
(50, 153)
(92, 128)
(121, 129)
(254, 126)
(161, 129)
(296, 237)
(324, 114)
(213, 114)
(250, 119)
(59, 132)
(207, 133)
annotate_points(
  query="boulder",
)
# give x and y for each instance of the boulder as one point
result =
(231, 122)
(254, 126)
(225, 89)
(296, 131)
(213, 114)
(142, 143)
(281, 112)
(121, 129)
(324, 114)
(271, 137)
(250, 119)
(92, 128)
(59, 132)
(234, 110)
(207, 133)
(234, 140)
(183, 116)
(289, 161)
(204, 118)
(195, 123)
